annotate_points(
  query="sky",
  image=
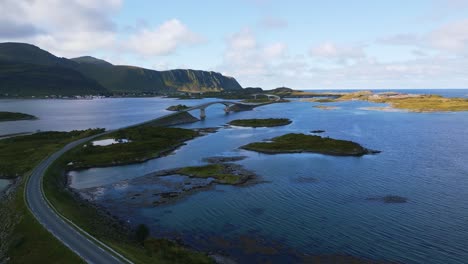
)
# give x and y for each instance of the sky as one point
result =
(333, 44)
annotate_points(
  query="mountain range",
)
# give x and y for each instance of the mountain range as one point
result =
(27, 70)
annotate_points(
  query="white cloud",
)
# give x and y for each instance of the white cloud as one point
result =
(251, 61)
(66, 28)
(449, 38)
(339, 53)
(275, 50)
(163, 40)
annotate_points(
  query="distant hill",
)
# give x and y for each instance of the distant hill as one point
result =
(91, 60)
(281, 91)
(89, 75)
(23, 79)
(120, 78)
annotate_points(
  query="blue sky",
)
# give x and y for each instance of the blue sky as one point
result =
(266, 43)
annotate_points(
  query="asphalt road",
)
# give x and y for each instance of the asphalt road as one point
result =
(89, 250)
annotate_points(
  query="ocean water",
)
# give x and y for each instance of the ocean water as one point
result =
(313, 203)
(66, 115)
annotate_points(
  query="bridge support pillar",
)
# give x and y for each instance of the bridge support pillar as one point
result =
(202, 113)
(226, 109)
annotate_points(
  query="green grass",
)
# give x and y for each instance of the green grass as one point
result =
(32, 243)
(324, 100)
(258, 100)
(100, 226)
(429, 104)
(28, 241)
(12, 116)
(216, 171)
(295, 143)
(420, 103)
(21, 154)
(147, 142)
(269, 122)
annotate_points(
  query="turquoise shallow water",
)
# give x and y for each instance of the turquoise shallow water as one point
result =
(4, 184)
(317, 204)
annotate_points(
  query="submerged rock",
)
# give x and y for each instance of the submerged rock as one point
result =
(221, 159)
(389, 199)
(317, 131)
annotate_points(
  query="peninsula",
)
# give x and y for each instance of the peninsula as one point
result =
(13, 116)
(409, 102)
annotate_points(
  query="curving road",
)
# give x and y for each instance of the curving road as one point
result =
(88, 250)
(85, 246)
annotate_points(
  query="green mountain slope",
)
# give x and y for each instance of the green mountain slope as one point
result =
(193, 80)
(91, 60)
(84, 75)
(23, 79)
(27, 53)
(125, 79)
(135, 79)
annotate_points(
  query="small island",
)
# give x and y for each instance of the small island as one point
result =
(318, 131)
(176, 108)
(222, 173)
(268, 122)
(298, 143)
(13, 116)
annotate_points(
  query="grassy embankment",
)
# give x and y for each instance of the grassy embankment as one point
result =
(268, 122)
(146, 142)
(28, 242)
(297, 143)
(22, 238)
(12, 116)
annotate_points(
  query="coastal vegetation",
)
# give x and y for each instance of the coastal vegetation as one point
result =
(408, 102)
(23, 239)
(13, 116)
(178, 107)
(28, 241)
(145, 142)
(256, 122)
(127, 240)
(134, 242)
(429, 103)
(297, 143)
(19, 155)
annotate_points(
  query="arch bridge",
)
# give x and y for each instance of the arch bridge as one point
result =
(233, 106)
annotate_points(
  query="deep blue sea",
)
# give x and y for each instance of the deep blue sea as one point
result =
(309, 203)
